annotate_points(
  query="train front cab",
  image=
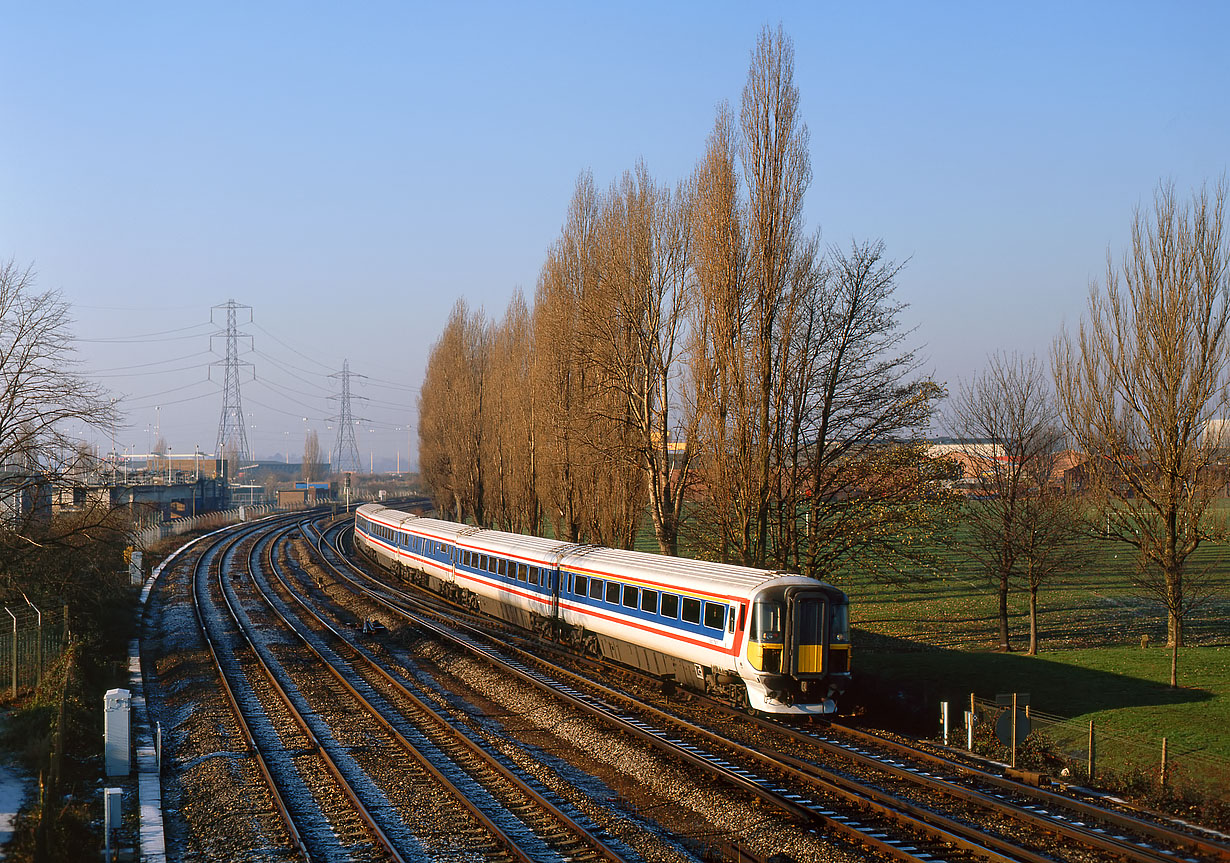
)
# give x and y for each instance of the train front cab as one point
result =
(799, 641)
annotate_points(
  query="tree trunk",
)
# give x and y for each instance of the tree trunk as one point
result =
(1174, 665)
(1004, 645)
(1174, 605)
(1033, 620)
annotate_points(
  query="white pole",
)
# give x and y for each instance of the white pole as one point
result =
(944, 719)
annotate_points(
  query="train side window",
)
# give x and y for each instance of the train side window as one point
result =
(612, 592)
(523, 573)
(649, 601)
(629, 596)
(595, 588)
(582, 585)
(715, 615)
(535, 574)
(691, 609)
(670, 605)
(491, 565)
(503, 566)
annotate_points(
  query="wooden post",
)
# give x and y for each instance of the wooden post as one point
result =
(1164, 753)
(1090, 770)
(1013, 762)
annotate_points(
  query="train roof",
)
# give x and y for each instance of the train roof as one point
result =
(639, 566)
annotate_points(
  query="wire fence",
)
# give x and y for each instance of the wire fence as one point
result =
(32, 643)
(204, 521)
(1082, 751)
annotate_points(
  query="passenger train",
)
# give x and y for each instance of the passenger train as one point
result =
(767, 641)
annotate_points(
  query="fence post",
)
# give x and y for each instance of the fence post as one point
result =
(1090, 770)
(1013, 762)
(944, 719)
(38, 645)
(1163, 775)
(6, 608)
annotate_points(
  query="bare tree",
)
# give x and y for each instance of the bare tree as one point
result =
(870, 490)
(451, 423)
(1142, 383)
(718, 358)
(751, 254)
(1053, 539)
(313, 467)
(512, 495)
(631, 332)
(563, 380)
(1008, 421)
(43, 401)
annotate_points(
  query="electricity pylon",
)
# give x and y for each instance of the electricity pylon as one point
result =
(232, 433)
(346, 452)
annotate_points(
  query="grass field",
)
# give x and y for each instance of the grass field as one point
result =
(936, 635)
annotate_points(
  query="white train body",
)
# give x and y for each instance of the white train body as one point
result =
(775, 642)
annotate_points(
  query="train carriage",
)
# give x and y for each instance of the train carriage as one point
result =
(777, 643)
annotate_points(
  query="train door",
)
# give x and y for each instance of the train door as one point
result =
(807, 628)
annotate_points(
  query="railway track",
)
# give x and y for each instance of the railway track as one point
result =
(356, 760)
(394, 746)
(907, 805)
(302, 773)
(524, 823)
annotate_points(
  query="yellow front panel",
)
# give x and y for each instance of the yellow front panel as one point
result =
(811, 658)
(755, 655)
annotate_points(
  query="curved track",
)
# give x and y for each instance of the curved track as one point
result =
(904, 803)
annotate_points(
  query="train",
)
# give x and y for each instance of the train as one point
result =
(766, 641)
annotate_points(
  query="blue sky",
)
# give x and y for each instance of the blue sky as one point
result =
(350, 170)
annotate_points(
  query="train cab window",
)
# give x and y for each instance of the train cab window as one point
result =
(649, 601)
(630, 596)
(670, 606)
(767, 621)
(715, 615)
(612, 592)
(595, 588)
(839, 623)
(691, 609)
(581, 585)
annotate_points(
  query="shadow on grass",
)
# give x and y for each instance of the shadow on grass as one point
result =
(899, 684)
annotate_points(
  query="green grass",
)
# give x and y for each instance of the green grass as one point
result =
(934, 637)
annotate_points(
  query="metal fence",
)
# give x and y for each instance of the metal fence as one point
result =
(31, 643)
(175, 527)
